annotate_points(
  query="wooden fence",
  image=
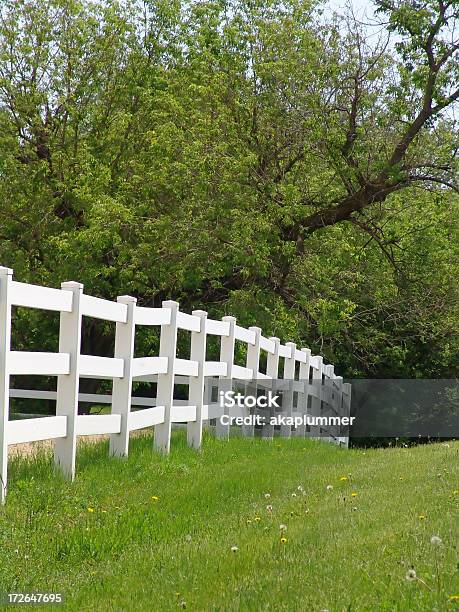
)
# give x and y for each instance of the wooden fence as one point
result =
(166, 369)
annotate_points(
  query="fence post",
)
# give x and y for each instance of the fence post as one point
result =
(272, 367)
(347, 408)
(196, 392)
(6, 276)
(68, 384)
(122, 387)
(326, 399)
(287, 396)
(226, 356)
(165, 392)
(333, 401)
(316, 402)
(339, 403)
(253, 363)
(303, 395)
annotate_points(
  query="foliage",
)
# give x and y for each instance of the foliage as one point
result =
(252, 158)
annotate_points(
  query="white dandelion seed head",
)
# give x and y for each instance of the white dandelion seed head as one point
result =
(293, 494)
(267, 495)
(435, 540)
(234, 549)
(283, 527)
(300, 488)
(269, 508)
(410, 575)
(329, 487)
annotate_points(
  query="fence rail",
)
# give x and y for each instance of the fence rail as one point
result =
(166, 369)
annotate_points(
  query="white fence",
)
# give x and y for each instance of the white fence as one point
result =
(69, 365)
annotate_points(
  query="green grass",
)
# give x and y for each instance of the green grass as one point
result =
(137, 553)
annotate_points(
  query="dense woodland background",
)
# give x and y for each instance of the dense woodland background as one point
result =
(257, 158)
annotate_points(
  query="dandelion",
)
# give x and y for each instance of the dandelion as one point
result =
(267, 495)
(188, 538)
(422, 517)
(183, 604)
(456, 492)
(104, 511)
(435, 540)
(411, 575)
(154, 498)
(293, 494)
(329, 487)
(344, 478)
(269, 508)
(257, 519)
(354, 494)
(90, 509)
(234, 549)
(453, 598)
(300, 488)
(249, 521)
(283, 527)
(354, 508)
(283, 540)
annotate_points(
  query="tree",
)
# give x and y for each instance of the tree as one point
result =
(255, 158)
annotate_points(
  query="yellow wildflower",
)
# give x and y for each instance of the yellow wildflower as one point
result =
(354, 494)
(283, 540)
(422, 517)
(154, 498)
(453, 598)
(90, 509)
(343, 478)
(257, 519)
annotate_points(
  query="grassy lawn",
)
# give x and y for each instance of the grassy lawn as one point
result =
(155, 533)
